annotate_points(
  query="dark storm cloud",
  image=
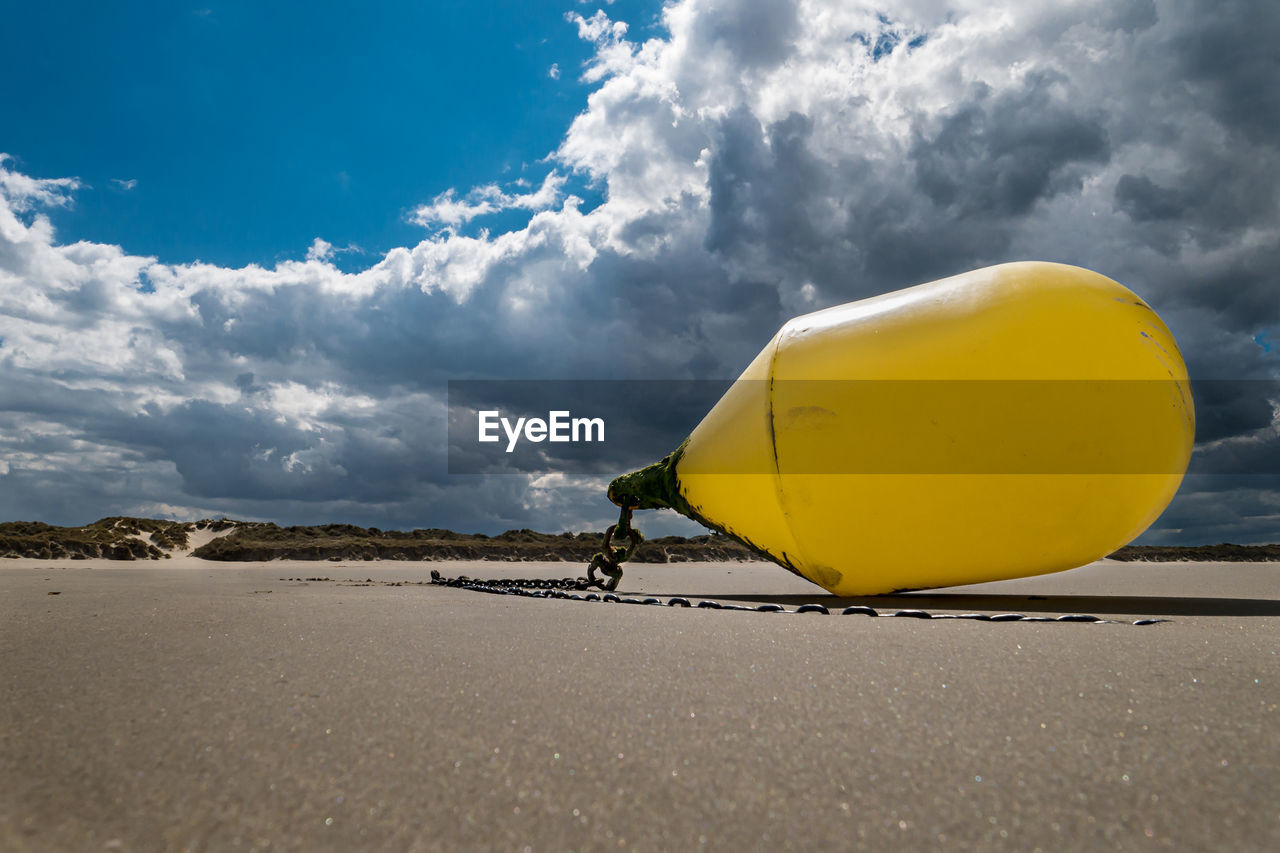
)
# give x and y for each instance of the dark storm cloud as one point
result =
(855, 229)
(767, 191)
(758, 33)
(244, 382)
(1145, 201)
(1229, 49)
(1130, 16)
(1244, 293)
(996, 156)
(1218, 194)
(1233, 407)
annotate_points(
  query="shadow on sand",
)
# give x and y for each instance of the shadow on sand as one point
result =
(1143, 605)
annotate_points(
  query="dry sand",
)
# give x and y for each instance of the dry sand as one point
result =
(185, 704)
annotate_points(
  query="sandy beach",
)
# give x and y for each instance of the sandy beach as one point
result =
(188, 705)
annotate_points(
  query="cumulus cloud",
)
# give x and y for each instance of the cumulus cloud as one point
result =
(756, 160)
(451, 211)
(323, 250)
(21, 192)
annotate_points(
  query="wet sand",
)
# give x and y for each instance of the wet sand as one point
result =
(185, 704)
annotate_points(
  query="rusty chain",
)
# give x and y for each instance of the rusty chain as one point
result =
(609, 560)
(558, 588)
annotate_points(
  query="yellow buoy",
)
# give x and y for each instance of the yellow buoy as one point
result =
(1011, 421)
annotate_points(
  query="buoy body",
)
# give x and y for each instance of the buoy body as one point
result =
(1011, 421)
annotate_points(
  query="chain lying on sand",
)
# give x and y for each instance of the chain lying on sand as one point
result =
(557, 588)
(610, 559)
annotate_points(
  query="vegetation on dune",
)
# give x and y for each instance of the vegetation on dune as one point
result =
(347, 542)
(167, 535)
(1224, 552)
(113, 538)
(125, 538)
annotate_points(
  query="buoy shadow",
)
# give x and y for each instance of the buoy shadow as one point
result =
(1145, 605)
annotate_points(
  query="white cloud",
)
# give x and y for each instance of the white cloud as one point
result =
(20, 192)
(614, 54)
(598, 28)
(554, 71)
(451, 211)
(125, 185)
(321, 250)
(324, 251)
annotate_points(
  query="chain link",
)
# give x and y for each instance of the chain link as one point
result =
(556, 588)
(610, 559)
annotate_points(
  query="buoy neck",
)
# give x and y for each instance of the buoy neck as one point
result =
(652, 487)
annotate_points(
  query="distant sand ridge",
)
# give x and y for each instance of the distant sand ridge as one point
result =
(118, 538)
(111, 538)
(227, 540)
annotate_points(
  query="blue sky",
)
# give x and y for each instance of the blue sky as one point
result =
(184, 333)
(238, 132)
